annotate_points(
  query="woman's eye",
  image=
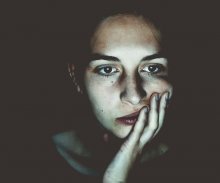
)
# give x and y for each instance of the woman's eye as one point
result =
(106, 70)
(156, 68)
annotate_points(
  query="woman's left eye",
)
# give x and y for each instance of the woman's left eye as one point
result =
(154, 68)
(106, 70)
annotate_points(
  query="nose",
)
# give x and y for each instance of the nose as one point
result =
(132, 91)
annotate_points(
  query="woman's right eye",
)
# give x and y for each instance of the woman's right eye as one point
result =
(106, 70)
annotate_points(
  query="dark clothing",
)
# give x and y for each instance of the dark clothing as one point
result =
(43, 164)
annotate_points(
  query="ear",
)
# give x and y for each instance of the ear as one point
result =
(71, 70)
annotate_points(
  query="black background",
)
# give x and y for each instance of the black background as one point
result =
(36, 43)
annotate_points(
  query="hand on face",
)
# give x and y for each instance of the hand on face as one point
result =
(126, 73)
(147, 126)
(125, 69)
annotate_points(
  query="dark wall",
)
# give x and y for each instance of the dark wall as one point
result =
(36, 43)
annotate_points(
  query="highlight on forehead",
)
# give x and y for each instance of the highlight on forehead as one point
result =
(127, 20)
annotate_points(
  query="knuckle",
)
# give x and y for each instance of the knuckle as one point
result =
(162, 105)
(153, 127)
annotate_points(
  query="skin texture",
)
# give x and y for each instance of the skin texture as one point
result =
(130, 84)
(128, 87)
(121, 165)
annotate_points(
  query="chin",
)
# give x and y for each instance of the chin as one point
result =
(123, 132)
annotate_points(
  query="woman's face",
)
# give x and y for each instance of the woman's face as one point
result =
(125, 70)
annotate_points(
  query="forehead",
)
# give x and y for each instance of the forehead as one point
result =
(124, 30)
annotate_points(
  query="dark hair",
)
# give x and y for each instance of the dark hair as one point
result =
(76, 113)
(85, 26)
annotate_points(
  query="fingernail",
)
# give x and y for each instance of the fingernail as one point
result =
(146, 109)
(167, 99)
(157, 97)
(167, 96)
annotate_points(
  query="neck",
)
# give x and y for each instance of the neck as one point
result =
(78, 154)
(75, 163)
(83, 153)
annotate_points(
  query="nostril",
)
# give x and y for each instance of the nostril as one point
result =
(135, 100)
(133, 91)
(132, 96)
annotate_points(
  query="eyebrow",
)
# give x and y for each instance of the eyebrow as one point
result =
(153, 56)
(98, 56)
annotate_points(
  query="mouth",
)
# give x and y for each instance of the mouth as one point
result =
(128, 119)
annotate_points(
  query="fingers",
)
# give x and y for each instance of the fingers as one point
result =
(141, 121)
(138, 128)
(156, 118)
(153, 114)
(162, 108)
(152, 121)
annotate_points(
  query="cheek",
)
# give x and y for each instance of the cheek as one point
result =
(158, 86)
(102, 98)
(102, 81)
(100, 85)
(101, 91)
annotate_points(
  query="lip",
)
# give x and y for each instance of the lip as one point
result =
(128, 119)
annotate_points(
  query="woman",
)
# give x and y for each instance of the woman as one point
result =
(123, 86)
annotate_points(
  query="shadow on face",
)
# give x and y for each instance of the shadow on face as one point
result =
(125, 69)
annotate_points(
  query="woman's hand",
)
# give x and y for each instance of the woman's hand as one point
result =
(147, 126)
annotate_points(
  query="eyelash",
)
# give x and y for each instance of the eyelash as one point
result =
(160, 69)
(98, 70)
